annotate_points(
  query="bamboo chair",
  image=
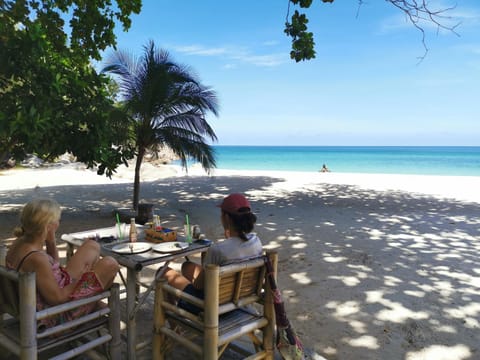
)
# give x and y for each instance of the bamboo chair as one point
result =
(229, 288)
(19, 316)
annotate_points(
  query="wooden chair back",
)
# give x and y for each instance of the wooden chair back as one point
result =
(20, 335)
(237, 285)
(9, 296)
(224, 318)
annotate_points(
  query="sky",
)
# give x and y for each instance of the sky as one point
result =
(365, 87)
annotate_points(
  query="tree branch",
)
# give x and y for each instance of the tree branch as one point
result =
(416, 11)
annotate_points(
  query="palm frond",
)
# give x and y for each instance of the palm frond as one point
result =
(125, 66)
(188, 145)
(192, 120)
(168, 103)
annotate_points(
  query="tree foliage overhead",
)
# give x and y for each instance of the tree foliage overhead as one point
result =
(416, 11)
(51, 98)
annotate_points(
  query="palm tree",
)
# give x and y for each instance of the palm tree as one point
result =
(167, 105)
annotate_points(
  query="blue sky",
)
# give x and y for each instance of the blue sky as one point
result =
(365, 87)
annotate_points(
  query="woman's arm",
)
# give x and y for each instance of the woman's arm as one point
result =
(47, 286)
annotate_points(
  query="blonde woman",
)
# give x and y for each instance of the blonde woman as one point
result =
(35, 250)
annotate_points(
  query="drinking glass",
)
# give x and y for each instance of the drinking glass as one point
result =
(187, 230)
(121, 231)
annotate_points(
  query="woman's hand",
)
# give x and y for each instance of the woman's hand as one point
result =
(51, 230)
(50, 240)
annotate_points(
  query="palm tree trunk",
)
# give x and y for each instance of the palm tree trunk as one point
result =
(136, 182)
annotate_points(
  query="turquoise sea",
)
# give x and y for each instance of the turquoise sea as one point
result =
(435, 160)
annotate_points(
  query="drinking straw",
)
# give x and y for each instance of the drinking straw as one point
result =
(188, 228)
(119, 228)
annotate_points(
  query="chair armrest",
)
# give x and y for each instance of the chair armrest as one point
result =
(57, 309)
(91, 319)
(166, 308)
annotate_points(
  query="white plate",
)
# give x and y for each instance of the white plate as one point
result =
(137, 247)
(170, 247)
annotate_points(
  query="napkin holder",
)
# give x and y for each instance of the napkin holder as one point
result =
(159, 236)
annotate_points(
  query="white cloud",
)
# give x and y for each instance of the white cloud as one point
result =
(200, 50)
(466, 16)
(260, 60)
(239, 54)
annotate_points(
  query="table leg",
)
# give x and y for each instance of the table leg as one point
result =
(158, 274)
(131, 321)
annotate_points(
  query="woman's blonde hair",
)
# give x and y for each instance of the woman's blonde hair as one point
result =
(36, 215)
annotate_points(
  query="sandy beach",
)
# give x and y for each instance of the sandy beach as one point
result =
(371, 266)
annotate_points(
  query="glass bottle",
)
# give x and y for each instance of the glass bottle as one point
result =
(133, 231)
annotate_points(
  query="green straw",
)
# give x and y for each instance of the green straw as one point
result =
(189, 238)
(119, 228)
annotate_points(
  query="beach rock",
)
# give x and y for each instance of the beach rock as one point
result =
(8, 164)
(32, 161)
(164, 156)
(66, 158)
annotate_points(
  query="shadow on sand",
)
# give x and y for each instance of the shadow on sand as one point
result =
(364, 274)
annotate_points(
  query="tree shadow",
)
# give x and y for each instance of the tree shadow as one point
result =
(381, 275)
(364, 274)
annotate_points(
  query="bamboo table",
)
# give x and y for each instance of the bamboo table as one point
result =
(134, 263)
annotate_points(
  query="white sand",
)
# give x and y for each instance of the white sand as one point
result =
(462, 188)
(371, 266)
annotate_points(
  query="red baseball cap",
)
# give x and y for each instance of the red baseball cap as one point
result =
(233, 203)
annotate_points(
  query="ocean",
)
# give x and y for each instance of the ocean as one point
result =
(417, 160)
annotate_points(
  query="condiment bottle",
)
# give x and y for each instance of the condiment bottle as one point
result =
(133, 231)
(158, 224)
